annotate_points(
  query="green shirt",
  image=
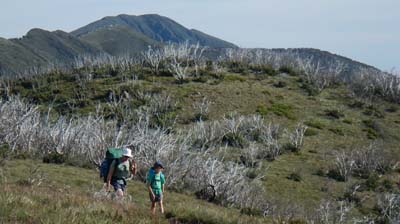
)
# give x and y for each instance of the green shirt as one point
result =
(156, 181)
(121, 171)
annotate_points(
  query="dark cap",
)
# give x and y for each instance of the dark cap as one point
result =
(158, 164)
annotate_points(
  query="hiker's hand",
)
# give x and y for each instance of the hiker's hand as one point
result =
(108, 188)
(153, 197)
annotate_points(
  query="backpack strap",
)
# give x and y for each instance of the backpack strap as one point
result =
(117, 162)
(153, 178)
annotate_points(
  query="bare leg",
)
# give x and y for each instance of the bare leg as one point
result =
(153, 208)
(120, 193)
(161, 207)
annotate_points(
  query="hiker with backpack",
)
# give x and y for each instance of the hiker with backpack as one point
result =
(117, 168)
(155, 184)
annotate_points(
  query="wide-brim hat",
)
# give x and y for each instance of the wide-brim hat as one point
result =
(127, 153)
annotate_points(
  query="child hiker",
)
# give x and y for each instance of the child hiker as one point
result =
(155, 184)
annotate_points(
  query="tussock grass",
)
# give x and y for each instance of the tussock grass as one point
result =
(336, 121)
(66, 194)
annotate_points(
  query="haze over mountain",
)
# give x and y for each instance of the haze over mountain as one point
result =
(112, 35)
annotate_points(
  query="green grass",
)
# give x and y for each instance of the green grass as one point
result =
(283, 110)
(335, 122)
(67, 193)
(234, 77)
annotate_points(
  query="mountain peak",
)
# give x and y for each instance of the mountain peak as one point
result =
(36, 31)
(156, 27)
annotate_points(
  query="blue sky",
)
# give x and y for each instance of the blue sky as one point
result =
(364, 30)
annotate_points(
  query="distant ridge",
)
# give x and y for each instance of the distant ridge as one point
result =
(112, 35)
(121, 35)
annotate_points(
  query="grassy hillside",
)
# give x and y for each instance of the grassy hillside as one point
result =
(33, 192)
(339, 124)
(39, 48)
(119, 40)
(11, 51)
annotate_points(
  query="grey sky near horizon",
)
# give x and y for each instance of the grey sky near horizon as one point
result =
(364, 30)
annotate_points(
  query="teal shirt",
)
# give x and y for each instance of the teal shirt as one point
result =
(121, 171)
(156, 181)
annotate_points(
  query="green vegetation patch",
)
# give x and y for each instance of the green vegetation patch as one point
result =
(234, 78)
(316, 123)
(283, 110)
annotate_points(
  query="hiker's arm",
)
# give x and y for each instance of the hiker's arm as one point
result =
(134, 167)
(151, 191)
(163, 183)
(110, 174)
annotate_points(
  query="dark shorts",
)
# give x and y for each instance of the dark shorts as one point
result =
(157, 198)
(119, 184)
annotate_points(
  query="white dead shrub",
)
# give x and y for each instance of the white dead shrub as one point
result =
(204, 135)
(182, 57)
(332, 212)
(154, 58)
(344, 165)
(201, 109)
(389, 206)
(18, 123)
(296, 138)
(372, 84)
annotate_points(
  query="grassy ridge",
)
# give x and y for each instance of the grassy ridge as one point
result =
(336, 121)
(33, 192)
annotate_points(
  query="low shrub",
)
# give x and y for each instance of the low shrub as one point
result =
(351, 195)
(334, 113)
(311, 132)
(252, 174)
(371, 133)
(262, 110)
(392, 109)
(321, 172)
(200, 79)
(208, 193)
(357, 104)
(297, 221)
(374, 111)
(251, 211)
(373, 129)
(234, 77)
(347, 121)
(55, 158)
(335, 174)
(337, 131)
(315, 124)
(387, 185)
(5, 151)
(200, 117)
(295, 176)
(288, 70)
(234, 140)
(372, 182)
(310, 89)
(265, 69)
(280, 84)
(79, 162)
(283, 110)
(22, 155)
